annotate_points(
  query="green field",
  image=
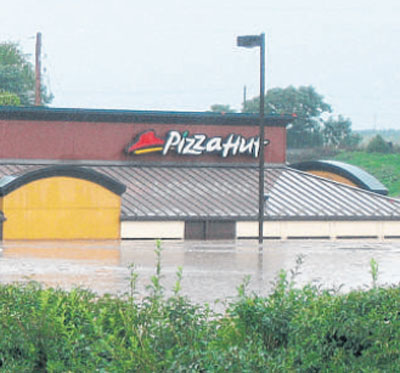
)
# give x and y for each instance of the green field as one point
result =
(385, 167)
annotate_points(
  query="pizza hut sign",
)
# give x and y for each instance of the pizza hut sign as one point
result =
(197, 144)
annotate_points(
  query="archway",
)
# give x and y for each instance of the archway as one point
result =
(61, 202)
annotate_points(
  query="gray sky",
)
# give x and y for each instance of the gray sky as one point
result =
(182, 55)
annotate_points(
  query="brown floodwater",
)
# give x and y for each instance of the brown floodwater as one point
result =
(211, 270)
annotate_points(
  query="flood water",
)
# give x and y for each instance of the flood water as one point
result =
(211, 270)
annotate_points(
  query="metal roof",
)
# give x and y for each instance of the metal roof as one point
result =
(231, 193)
(355, 174)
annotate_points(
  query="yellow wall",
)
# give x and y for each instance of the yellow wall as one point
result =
(332, 176)
(61, 208)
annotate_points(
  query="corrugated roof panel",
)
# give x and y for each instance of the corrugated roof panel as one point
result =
(232, 193)
(297, 191)
(318, 195)
(294, 193)
(337, 197)
(351, 201)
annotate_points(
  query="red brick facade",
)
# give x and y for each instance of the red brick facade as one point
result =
(107, 140)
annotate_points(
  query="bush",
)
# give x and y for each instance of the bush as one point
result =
(378, 145)
(291, 330)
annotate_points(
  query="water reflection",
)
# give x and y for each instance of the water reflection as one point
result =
(110, 255)
(211, 270)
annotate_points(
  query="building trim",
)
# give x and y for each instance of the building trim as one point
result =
(127, 116)
(10, 183)
(129, 163)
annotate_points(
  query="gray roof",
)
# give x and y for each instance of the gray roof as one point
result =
(231, 192)
(357, 175)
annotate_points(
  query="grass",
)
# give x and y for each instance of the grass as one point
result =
(385, 167)
(290, 330)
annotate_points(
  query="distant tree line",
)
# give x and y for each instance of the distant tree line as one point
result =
(313, 125)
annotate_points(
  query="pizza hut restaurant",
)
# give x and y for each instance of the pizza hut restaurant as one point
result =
(113, 174)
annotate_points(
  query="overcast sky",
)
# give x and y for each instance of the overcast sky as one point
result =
(182, 55)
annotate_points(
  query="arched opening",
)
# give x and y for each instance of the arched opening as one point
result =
(61, 202)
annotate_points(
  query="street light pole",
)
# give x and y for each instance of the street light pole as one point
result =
(250, 41)
(261, 200)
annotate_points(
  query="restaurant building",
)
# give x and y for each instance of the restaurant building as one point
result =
(111, 174)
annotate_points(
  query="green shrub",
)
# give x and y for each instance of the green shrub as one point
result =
(291, 330)
(378, 145)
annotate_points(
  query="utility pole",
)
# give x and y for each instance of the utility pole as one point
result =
(38, 99)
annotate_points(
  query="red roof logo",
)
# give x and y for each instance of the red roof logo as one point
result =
(146, 142)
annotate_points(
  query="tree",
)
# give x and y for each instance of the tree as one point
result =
(306, 103)
(337, 133)
(378, 145)
(17, 75)
(220, 108)
(9, 99)
(353, 141)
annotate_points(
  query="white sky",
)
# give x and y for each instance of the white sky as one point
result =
(182, 55)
